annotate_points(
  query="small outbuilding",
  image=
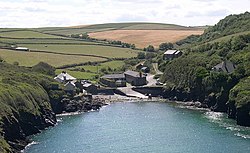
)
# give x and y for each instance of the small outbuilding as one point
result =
(22, 49)
(145, 69)
(171, 54)
(225, 66)
(70, 87)
(90, 88)
(114, 80)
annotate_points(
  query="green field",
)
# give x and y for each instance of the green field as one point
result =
(31, 58)
(70, 31)
(26, 34)
(105, 51)
(95, 69)
(45, 41)
(115, 26)
(78, 74)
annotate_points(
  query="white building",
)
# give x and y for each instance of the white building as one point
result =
(64, 77)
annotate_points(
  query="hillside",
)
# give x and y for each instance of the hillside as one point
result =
(25, 105)
(141, 34)
(190, 77)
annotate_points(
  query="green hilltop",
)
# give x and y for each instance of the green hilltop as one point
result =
(191, 77)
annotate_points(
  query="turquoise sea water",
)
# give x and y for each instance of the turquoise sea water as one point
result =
(143, 128)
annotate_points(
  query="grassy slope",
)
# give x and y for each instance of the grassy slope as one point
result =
(26, 34)
(32, 58)
(111, 64)
(106, 51)
(43, 41)
(20, 91)
(117, 26)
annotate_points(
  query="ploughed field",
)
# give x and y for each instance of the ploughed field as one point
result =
(143, 38)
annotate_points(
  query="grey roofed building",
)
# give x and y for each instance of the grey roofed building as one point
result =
(114, 76)
(225, 66)
(171, 54)
(64, 77)
(135, 78)
(132, 73)
(69, 86)
(145, 69)
(114, 80)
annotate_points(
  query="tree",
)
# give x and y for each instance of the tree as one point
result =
(141, 55)
(150, 48)
(150, 55)
(166, 46)
(44, 68)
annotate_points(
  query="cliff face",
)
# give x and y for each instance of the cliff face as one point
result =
(25, 106)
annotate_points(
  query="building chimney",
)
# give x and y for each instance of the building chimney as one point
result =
(64, 77)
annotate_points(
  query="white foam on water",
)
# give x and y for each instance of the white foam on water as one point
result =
(242, 135)
(30, 144)
(214, 116)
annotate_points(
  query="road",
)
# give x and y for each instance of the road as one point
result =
(151, 80)
(155, 66)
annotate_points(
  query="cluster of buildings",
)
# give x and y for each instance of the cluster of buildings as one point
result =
(71, 84)
(120, 80)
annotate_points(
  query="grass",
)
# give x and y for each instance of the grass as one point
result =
(78, 74)
(111, 64)
(43, 41)
(70, 31)
(105, 51)
(32, 58)
(114, 26)
(26, 34)
(226, 38)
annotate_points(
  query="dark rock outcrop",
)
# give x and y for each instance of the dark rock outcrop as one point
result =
(17, 126)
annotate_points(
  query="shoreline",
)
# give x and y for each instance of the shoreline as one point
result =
(109, 99)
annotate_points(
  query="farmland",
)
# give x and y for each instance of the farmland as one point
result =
(54, 45)
(25, 34)
(106, 65)
(143, 38)
(32, 58)
(140, 34)
(105, 51)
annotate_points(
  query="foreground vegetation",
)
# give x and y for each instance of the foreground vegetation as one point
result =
(25, 107)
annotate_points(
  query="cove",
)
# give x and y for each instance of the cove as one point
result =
(143, 127)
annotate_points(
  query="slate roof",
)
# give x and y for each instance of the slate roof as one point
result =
(133, 73)
(225, 66)
(60, 77)
(114, 76)
(70, 84)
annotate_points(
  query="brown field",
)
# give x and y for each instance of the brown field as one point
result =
(143, 38)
